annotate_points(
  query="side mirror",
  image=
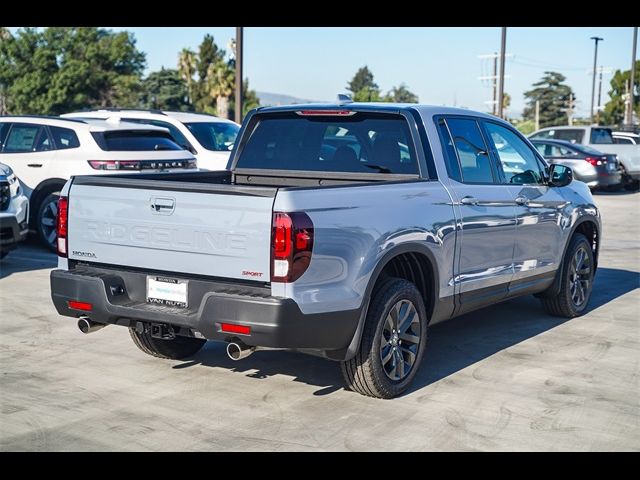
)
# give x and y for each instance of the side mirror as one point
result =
(560, 175)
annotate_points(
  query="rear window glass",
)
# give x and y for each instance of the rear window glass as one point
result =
(362, 143)
(135, 140)
(601, 136)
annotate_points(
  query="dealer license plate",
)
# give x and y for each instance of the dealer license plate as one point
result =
(170, 292)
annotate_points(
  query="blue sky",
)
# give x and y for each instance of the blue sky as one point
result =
(440, 65)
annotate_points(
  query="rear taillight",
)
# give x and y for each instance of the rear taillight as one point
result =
(115, 164)
(595, 161)
(141, 164)
(291, 246)
(62, 225)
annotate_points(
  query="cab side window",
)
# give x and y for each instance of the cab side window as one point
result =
(519, 162)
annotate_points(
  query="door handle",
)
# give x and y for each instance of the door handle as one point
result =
(469, 201)
(522, 201)
(34, 165)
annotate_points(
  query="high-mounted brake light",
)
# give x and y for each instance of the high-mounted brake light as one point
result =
(335, 113)
(62, 225)
(291, 245)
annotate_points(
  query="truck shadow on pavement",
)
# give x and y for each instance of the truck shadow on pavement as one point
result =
(452, 345)
(30, 255)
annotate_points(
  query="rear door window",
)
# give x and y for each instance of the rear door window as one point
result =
(135, 140)
(22, 138)
(359, 143)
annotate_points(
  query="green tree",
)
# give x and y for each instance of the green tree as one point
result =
(615, 108)
(212, 79)
(187, 65)
(361, 80)
(553, 96)
(60, 69)
(164, 90)
(219, 85)
(401, 94)
(250, 100)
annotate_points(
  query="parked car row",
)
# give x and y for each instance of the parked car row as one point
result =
(596, 146)
(14, 211)
(44, 152)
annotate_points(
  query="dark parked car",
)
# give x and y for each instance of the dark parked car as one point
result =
(589, 165)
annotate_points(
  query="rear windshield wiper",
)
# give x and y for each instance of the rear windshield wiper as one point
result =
(380, 168)
(162, 147)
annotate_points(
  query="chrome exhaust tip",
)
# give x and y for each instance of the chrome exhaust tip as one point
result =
(238, 351)
(86, 325)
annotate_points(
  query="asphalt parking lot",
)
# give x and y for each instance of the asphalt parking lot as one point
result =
(504, 378)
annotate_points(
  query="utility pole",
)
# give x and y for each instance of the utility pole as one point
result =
(238, 107)
(493, 78)
(503, 43)
(537, 115)
(629, 112)
(570, 110)
(599, 96)
(495, 83)
(593, 83)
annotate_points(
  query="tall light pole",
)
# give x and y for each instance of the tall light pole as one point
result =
(629, 119)
(593, 83)
(503, 43)
(238, 108)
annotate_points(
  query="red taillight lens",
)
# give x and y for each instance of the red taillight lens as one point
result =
(76, 305)
(234, 328)
(62, 225)
(291, 246)
(595, 161)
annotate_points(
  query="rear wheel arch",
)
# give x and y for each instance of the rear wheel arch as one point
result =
(39, 193)
(411, 261)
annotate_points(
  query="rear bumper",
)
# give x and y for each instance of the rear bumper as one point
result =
(274, 322)
(11, 232)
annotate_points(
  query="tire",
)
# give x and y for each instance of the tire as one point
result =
(47, 213)
(176, 349)
(367, 372)
(632, 185)
(569, 302)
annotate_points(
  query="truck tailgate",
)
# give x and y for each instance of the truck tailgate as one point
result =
(191, 228)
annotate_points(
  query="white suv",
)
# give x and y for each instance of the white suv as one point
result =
(209, 138)
(44, 152)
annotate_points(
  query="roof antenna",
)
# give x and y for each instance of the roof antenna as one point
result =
(344, 98)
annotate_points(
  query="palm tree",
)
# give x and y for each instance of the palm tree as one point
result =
(220, 83)
(187, 68)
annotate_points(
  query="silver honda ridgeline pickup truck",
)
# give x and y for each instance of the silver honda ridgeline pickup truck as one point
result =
(343, 231)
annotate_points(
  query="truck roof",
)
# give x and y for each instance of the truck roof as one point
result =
(423, 109)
